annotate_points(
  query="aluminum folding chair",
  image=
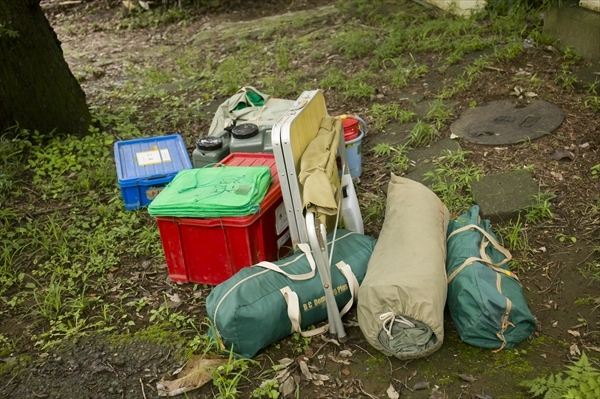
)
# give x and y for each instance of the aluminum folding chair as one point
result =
(291, 136)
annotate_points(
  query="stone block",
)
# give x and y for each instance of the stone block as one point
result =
(501, 197)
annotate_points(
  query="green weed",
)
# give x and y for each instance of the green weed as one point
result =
(566, 79)
(514, 235)
(422, 134)
(356, 43)
(399, 162)
(540, 210)
(373, 208)
(592, 102)
(438, 113)
(581, 380)
(383, 114)
(227, 377)
(451, 180)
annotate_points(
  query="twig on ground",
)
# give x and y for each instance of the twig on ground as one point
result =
(553, 282)
(403, 383)
(143, 390)
(505, 364)
(11, 380)
(587, 257)
(317, 351)
(364, 350)
(403, 367)
(360, 386)
(493, 68)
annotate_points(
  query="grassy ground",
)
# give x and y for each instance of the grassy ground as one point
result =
(74, 263)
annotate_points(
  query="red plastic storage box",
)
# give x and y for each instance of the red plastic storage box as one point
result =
(210, 250)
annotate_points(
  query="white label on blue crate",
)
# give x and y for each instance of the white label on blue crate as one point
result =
(281, 220)
(164, 154)
(148, 157)
(153, 157)
(283, 239)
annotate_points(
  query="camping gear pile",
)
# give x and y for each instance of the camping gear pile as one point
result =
(226, 224)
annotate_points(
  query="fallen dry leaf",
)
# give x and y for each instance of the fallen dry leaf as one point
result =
(337, 359)
(467, 377)
(421, 385)
(594, 348)
(286, 361)
(346, 372)
(574, 350)
(195, 373)
(574, 333)
(561, 153)
(288, 387)
(392, 393)
(345, 353)
(305, 371)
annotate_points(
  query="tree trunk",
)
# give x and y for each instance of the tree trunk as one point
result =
(37, 89)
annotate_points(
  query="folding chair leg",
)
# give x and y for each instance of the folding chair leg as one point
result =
(318, 243)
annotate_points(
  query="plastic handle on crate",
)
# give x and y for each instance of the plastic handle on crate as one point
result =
(156, 177)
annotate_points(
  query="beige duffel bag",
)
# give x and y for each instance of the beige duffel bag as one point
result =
(401, 300)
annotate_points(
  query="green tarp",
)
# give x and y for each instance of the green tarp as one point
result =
(213, 192)
(485, 298)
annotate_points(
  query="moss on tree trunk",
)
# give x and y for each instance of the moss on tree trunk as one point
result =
(37, 89)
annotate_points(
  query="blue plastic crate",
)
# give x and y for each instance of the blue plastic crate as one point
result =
(145, 166)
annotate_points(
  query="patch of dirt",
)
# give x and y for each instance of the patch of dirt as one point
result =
(97, 366)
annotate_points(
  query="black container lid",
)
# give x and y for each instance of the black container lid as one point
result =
(210, 143)
(244, 131)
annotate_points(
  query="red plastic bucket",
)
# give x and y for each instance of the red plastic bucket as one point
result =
(351, 129)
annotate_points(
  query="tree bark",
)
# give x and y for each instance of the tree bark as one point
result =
(37, 89)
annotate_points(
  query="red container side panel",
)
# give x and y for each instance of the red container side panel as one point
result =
(173, 247)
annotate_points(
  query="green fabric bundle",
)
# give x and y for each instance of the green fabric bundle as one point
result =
(213, 192)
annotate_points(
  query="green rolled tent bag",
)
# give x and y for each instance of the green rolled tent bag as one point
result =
(485, 298)
(262, 304)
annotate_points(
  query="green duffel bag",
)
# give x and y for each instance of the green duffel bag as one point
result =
(264, 303)
(485, 298)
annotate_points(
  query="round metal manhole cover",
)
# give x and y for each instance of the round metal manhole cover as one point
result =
(507, 122)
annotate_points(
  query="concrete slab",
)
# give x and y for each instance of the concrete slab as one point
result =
(394, 134)
(588, 76)
(575, 26)
(501, 197)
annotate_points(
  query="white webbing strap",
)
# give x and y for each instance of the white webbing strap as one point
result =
(304, 248)
(293, 303)
(491, 239)
(485, 259)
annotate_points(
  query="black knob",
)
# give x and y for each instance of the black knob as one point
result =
(209, 143)
(244, 131)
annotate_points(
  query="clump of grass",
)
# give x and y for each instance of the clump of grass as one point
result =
(356, 43)
(383, 114)
(422, 134)
(514, 235)
(399, 162)
(540, 210)
(438, 113)
(451, 180)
